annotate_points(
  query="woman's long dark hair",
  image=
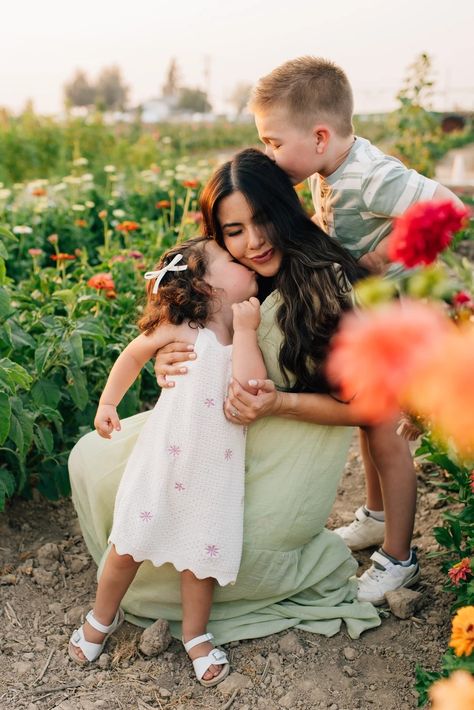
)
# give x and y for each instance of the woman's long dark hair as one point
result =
(316, 272)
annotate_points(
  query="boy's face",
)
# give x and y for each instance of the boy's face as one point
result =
(292, 147)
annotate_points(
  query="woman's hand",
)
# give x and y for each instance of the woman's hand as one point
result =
(241, 407)
(168, 362)
(106, 420)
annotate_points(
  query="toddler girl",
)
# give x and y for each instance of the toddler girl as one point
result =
(180, 500)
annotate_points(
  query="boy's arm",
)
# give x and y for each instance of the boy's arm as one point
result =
(247, 360)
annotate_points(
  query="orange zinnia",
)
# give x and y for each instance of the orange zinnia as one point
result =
(38, 192)
(444, 390)
(61, 256)
(162, 204)
(462, 634)
(192, 184)
(80, 223)
(376, 354)
(127, 226)
(102, 282)
(453, 693)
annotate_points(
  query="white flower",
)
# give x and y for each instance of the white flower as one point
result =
(80, 161)
(4, 193)
(113, 178)
(119, 214)
(59, 187)
(110, 169)
(90, 204)
(22, 229)
(78, 208)
(87, 177)
(71, 180)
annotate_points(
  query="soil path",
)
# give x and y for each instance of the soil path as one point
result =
(42, 601)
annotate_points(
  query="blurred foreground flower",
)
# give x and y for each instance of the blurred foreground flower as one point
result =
(453, 693)
(460, 571)
(102, 282)
(35, 252)
(462, 634)
(190, 184)
(423, 231)
(22, 229)
(443, 391)
(162, 204)
(376, 353)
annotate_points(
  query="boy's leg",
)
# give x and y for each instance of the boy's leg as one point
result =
(196, 600)
(392, 458)
(117, 575)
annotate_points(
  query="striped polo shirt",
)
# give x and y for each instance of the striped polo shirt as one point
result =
(368, 189)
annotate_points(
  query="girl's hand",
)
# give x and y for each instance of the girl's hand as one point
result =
(241, 407)
(246, 314)
(106, 420)
(168, 361)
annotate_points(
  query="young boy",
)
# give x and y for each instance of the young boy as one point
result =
(303, 112)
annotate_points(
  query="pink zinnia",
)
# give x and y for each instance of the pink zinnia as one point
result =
(460, 571)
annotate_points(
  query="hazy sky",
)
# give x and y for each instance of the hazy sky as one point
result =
(42, 43)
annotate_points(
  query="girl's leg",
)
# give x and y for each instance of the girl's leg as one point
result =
(392, 458)
(117, 575)
(196, 599)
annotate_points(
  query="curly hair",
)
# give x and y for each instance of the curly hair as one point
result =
(316, 272)
(182, 295)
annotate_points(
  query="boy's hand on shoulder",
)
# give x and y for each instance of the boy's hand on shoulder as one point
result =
(374, 263)
(246, 314)
(106, 420)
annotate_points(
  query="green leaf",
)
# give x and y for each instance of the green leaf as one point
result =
(13, 374)
(78, 387)
(21, 428)
(7, 486)
(443, 536)
(7, 234)
(3, 268)
(5, 307)
(46, 392)
(42, 355)
(43, 438)
(5, 414)
(73, 347)
(6, 344)
(90, 328)
(20, 337)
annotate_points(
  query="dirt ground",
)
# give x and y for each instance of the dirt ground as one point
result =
(41, 602)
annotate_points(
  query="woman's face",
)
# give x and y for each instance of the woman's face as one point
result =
(245, 238)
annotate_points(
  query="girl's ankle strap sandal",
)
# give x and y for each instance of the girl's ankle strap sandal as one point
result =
(92, 650)
(216, 657)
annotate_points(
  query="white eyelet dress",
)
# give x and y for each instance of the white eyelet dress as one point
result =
(182, 494)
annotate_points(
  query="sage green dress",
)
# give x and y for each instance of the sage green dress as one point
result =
(293, 571)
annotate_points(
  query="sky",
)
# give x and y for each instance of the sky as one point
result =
(43, 43)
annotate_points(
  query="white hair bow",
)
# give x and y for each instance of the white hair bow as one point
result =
(158, 275)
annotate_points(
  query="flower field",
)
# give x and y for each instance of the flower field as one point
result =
(73, 252)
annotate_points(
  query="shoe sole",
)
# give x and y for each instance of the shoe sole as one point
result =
(409, 583)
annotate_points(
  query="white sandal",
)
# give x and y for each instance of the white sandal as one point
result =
(216, 657)
(92, 650)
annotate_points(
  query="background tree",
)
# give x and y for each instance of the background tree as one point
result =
(79, 91)
(194, 100)
(171, 86)
(239, 97)
(111, 90)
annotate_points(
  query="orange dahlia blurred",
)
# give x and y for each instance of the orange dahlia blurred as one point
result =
(460, 571)
(376, 354)
(127, 226)
(462, 633)
(102, 281)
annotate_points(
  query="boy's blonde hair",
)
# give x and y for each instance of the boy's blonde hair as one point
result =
(311, 89)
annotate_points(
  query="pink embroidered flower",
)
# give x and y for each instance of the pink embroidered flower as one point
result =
(174, 450)
(228, 454)
(209, 402)
(212, 550)
(179, 486)
(145, 516)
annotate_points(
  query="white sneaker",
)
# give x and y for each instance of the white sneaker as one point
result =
(363, 532)
(386, 576)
